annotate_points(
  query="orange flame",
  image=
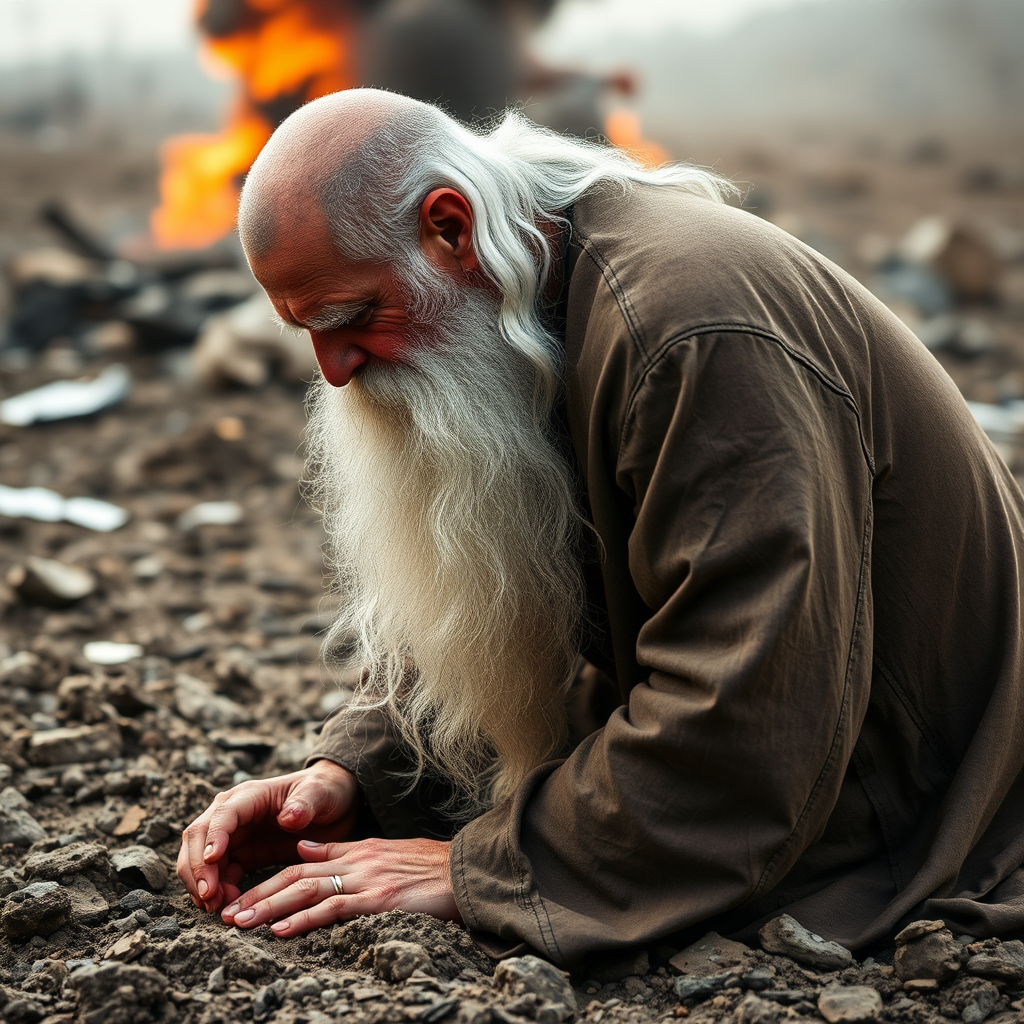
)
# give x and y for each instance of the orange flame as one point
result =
(622, 128)
(285, 53)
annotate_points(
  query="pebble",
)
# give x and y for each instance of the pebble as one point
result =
(217, 981)
(87, 903)
(74, 744)
(21, 669)
(917, 930)
(983, 1002)
(925, 986)
(38, 909)
(164, 928)
(303, 988)
(787, 937)
(754, 1010)
(529, 975)
(137, 864)
(849, 1004)
(126, 992)
(197, 702)
(17, 825)
(106, 652)
(934, 954)
(50, 583)
(396, 960)
(692, 988)
(710, 955)
(128, 947)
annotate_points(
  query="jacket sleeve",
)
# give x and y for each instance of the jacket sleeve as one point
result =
(402, 808)
(742, 474)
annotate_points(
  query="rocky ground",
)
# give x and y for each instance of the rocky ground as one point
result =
(103, 761)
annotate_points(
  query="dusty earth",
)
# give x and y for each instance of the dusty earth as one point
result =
(102, 766)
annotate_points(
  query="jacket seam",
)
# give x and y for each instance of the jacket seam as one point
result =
(764, 881)
(523, 897)
(749, 329)
(617, 290)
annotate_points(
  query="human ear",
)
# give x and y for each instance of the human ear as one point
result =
(446, 231)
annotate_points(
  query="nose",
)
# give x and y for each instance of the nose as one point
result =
(338, 359)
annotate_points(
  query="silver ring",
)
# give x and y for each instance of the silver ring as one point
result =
(338, 887)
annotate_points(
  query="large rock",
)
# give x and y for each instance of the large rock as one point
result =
(787, 937)
(1003, 963)
(75, 744)
(16, 823)
(926, 954)
(68, 861)
(38, 909)
(535, 979)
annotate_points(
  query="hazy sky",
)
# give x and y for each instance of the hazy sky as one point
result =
(34, 29)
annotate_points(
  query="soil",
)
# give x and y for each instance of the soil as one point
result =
(239, 608)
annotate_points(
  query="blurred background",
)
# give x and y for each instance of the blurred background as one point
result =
(149, 496)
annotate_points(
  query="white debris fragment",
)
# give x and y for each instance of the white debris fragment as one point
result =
(49, 507)
(106, 652)
(210, 513)
(66, 399)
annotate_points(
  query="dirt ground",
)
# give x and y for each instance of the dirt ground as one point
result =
(101, 767)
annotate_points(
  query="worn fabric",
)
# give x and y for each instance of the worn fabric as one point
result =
(809, 598)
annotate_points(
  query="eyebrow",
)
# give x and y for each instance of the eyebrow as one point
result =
(326, 319)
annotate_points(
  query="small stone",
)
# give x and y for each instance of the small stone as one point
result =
(711, 955)
(329, 996)
(197, 702)
(217, 981)
(1004, 963)
(754, 1010)
(38, 909)
(120, 991)
(74, 744)
(87, 903)
(918, 929)
(138, 899)
(361, 993)
(17, 825)
(128, 947)
(983, 1002)
(849, 1004)
(934, 954)
(154, 832)
(106, 652)
(758, 978)
(131, 820)
(50, 583)
(529, 975)
(925, 986)
(21, 669)
(693, 988)
(787, 937)
(164, 928)
(137, 865)
(395, 960)
(303, 988)
(250, 963)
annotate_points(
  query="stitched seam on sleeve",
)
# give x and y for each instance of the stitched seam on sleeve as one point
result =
(523, 897)
(757, 332)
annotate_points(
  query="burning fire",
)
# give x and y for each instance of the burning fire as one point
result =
(285, 53)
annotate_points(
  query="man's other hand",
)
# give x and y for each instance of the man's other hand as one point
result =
(255, 825)
(374, 875)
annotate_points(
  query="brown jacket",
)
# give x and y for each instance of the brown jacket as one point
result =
(810, 602)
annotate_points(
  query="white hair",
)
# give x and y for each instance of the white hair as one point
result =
(516, 176)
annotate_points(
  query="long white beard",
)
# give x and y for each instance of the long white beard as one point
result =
(452, 529)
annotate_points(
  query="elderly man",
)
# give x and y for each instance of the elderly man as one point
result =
(569, 406)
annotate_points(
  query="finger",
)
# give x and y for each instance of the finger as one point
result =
(185, 874)
(313, 800)
(207, 885)
(314, 853)
(303, 892)
(335, 908)
(238, 808)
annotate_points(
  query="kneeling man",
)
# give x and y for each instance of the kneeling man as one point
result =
(569, 407)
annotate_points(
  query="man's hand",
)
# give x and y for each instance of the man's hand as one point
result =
(375, 875)
(255, 825)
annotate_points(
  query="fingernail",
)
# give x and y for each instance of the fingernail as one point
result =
(203, 888)
(281, 928)
(245, 916)
(231, 911)
(310, 844)
(208, 852)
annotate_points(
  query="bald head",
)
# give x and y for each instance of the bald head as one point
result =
(345, 150)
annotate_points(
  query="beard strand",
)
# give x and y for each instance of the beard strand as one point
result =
(452, 534)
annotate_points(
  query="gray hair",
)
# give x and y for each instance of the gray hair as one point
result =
(515, 176)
